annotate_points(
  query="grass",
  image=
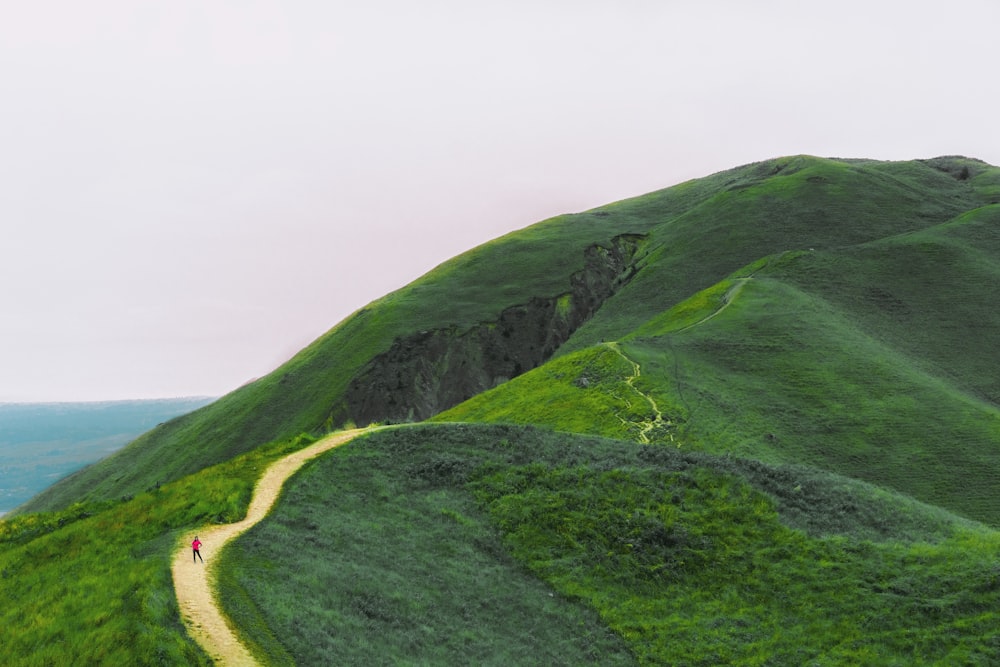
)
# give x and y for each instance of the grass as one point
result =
(399, 546)
(761, 210)
(694, 568)
(92, 585)
(490, 544)
(401, 568)
(841, 359)
(585, 392)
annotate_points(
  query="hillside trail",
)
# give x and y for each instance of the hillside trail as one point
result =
(646, 427)
(194, 583)
(734, 290)
(727, 299)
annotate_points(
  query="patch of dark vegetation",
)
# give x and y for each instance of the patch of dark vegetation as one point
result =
(958, 167)
(818, 502)
(885, 301)
(430, 371)
(444, 469)
(814, 501)
(771, 168)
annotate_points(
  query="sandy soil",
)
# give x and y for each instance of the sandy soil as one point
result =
(194, 582)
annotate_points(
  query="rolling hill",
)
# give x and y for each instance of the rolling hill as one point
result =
(750, 418)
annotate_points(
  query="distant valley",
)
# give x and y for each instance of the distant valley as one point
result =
(41, 443)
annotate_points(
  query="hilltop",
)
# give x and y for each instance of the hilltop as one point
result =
(749, 417)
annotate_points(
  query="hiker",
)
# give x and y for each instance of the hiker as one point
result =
(196, 546)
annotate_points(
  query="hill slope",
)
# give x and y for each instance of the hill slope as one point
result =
(556, 287)
(497, 545)
(873, 360)
(758, 424)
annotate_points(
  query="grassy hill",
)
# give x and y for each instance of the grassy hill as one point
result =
(873, 361)
(751, 418)
(685, 238)
(497, 545)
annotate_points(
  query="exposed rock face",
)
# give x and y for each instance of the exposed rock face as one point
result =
(431, 371)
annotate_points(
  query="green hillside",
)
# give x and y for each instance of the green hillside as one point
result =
(842, 359)
(493, 545)
(684, 239)
(751, 419)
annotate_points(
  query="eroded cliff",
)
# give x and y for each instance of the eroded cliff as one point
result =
(430, 371)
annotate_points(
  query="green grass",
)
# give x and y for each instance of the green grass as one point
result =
(585, 392)
(92, 585)
(782, 205)
(839, 359)
(363, 562)
(512, 545)
(694, 568)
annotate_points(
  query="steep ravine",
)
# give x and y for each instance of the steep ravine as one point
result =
(430, 371)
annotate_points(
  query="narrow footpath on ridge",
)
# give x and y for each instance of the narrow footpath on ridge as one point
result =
(194, 584)
(727, 299)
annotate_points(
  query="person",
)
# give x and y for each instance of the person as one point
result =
(196, 546)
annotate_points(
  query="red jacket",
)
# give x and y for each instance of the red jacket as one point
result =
(196, 545)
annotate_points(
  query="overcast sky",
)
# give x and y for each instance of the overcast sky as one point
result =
(194, 190)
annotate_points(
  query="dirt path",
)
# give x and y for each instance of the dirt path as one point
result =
(645, 427)
(194, 583)
(726, 300)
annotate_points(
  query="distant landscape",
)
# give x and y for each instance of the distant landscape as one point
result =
(41, 443)
(750, 419)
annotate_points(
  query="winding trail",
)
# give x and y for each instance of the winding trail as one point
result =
(646, 427)
(194, 583)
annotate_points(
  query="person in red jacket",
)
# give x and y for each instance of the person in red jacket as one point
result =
(196, 546)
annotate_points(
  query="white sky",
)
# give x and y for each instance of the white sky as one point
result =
(192, 191)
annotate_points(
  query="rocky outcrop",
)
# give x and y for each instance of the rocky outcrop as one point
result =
(430, 371)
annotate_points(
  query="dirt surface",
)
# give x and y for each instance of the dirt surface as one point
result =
(194, 583)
